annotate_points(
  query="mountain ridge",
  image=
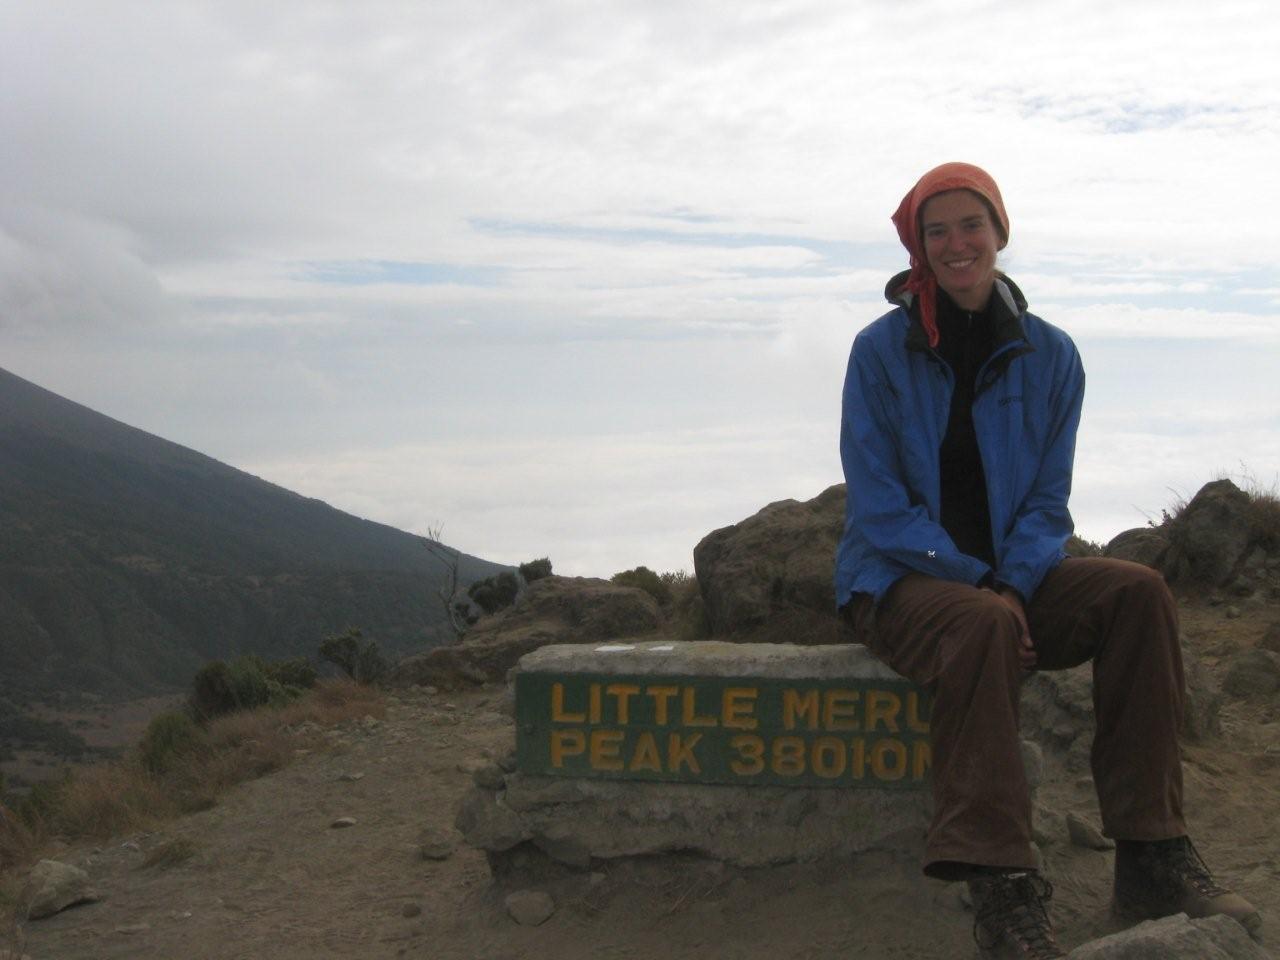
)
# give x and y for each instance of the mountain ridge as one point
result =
(126, 559)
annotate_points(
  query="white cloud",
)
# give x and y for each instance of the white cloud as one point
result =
(681, 215)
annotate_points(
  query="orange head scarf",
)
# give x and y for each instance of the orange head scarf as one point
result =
(949, 176)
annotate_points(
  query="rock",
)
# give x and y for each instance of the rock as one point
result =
(435, 844)
(411, 910)
(1057, 708)
(1175, 938)
(772, 572)
(551, 610)
(559, 842)
(132, 928)
(1144, 545)
(490, 776)
(57, 886)
(1233, 612)
(580, 821)
(1084, 834)
(1253, 673)
(342, 822)
(1203, 704)
(1208, 540)
(1048, 827)
(489, 824)
(1271, 639)
(530, 908)
(351, 777)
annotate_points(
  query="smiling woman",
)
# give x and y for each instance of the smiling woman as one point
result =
(958, 439)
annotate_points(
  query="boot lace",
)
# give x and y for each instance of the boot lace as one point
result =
(1180, 862)
(1012, 906)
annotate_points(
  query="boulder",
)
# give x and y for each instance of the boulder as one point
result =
(1057, 709)
(1253, 673)
(550, 610)
(1210, 538)
(1145, 545)
(56, 886)
(1175, 938)
(773, 571)
(529, 908)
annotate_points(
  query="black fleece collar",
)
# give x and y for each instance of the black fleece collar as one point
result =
(1006, 307)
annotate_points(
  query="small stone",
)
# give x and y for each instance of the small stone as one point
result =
(131, 928)
(130, 845)
(436, 844)
(508, 761)
(489, 776)
(343, 822)
(1233, 612)
(1084, 834)
(529, 908)
(432, 691)
(351, 777)
(450, 707)
(411, 910)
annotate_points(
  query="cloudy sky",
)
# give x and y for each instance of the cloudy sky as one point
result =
(579, 279)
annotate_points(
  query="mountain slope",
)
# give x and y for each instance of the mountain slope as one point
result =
(127, 560)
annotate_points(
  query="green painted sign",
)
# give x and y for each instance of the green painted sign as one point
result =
(736, 730)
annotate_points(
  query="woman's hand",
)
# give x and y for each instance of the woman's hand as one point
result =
(1026, 649)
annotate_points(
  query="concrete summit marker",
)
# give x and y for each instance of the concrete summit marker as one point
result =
(714, 712)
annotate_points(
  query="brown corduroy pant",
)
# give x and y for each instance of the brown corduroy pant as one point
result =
(961, 644)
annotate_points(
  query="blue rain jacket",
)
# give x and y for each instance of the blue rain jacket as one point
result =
(897, 397)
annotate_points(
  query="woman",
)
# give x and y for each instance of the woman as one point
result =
(957, 437)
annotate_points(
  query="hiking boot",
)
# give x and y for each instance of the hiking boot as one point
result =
(1163, 877)
(1010, 920)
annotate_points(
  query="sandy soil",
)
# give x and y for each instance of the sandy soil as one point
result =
(271, 877)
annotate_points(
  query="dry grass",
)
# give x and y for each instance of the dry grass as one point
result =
(171, 853)
(123, 797)
(109, 799)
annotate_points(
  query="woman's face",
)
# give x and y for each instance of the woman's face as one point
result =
(960, 243)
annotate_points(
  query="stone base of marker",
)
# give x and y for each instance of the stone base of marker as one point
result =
(746, 754)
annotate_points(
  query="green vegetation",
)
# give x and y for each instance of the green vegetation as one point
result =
(246, 682)
(170, 738)
(535, 569)
(495, 593)
(645, 579)
(359, 659)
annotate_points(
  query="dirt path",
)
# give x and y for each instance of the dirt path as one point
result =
(271, 877)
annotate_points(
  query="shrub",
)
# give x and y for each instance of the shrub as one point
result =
(644, 579)
(535, 569)
(220, 688)
(355, 656)
(297, 673)
(169, 737)
(495, 593)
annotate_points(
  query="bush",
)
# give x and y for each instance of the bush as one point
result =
(495, 593)
(646, 580)
(297, 673)
(355, 656)
(220, 688)
(169, 737)
(535, 569)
